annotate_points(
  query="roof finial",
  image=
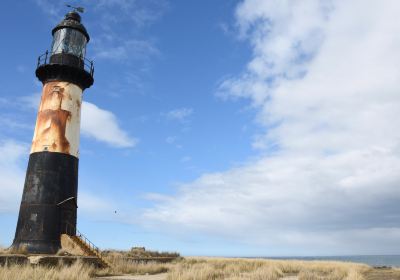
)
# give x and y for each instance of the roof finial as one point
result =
(76, 9)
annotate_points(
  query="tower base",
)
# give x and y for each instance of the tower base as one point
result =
(37, 246)
(48, 206)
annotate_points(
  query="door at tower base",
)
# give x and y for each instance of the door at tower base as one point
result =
(58, 120)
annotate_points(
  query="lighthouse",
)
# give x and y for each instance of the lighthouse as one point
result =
(49, 200)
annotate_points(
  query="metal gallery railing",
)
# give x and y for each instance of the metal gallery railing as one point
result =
(44, 59)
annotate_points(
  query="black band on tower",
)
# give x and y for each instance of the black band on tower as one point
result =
(48, 206)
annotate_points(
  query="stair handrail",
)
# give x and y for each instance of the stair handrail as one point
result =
(73, 231)
(87, 241)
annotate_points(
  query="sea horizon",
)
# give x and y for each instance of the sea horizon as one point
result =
(372, 260)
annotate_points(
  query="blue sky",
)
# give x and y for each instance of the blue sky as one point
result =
(233, 128)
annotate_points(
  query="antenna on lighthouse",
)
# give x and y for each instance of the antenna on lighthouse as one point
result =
(76, 9)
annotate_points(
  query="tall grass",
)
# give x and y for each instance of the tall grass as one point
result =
(197, 269)
(77, 271)
(140, 253)
(3, 250)
(119, 261)
(21, 250)
(235, 269)
(121, 265)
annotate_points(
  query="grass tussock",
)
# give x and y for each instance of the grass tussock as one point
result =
(235, 269)
(323, 270)
(139, 252)
(21, 250)
(77, 271)
(68, 247)
(122, 265)
(3, 250)
(123, 262)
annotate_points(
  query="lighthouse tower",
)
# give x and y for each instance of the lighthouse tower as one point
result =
(49, 201)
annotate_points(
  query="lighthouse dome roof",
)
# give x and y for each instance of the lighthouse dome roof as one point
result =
(72, 20)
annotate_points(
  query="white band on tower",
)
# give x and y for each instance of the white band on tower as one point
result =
(58, 121)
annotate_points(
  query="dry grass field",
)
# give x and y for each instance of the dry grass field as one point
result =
(76, 271)
(232, 269)
(208, 269)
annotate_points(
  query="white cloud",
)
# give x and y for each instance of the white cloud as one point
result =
(324, 78)
(11, 175)
(91, 204)
(102, 125)
(137, 13)
(185, 159)
(111, 45)
(127, 49)
(170, 139)
(31, 101)
(50, 8)
(180, 114)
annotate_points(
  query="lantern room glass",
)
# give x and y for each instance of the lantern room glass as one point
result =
(68, 40)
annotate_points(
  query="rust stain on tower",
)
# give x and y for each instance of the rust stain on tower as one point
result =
(58, 119)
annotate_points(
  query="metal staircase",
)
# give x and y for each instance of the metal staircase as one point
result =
(87, 246)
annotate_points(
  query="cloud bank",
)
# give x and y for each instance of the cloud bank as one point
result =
(180, 114)
(324, 79)
(102, 125)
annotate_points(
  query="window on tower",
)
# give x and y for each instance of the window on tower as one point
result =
(71, 41)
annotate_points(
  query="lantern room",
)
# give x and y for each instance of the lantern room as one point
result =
(69, 41)
(66, 59)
